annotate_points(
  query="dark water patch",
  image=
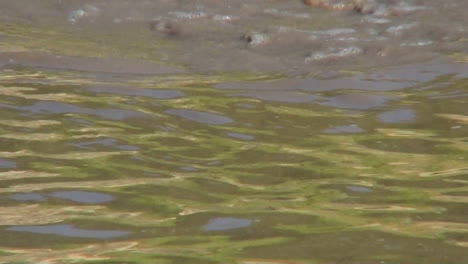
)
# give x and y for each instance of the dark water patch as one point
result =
(188, 168)
(173, 192)
(392, 79)
(130, 200)
(24, 197)
(242, 226)
(83, 196)
(405, 145)
(188, 241)
(108, 65)
(271, 175)
(361, 194)
(215, 186)
(241, 136)
(174, 141)
(50, 107)
(423, 183)
(7, 164)
(457, 236)
(133, 91)
(246, 105)
(128, 147)
(451, 212)
(397, 116)
(361, 247)
(344, 129)
(358, 101)
(422, 72)
(318, 85)
(280, 96)
(274, 155)
(226, 223)
(104, 142)
(200, 117)
(38, 180)
(360, 189)
(457, 193)
(69, 231)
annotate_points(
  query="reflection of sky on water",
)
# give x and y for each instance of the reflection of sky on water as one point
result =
(355, 188)
(397, 116)
(241, 136)
(133, 91)
(344, 129)
(28, 197)
(200, 117)
(280, 96)
(64, 108)
(7, 164)
(69, 231)
(83, 196)
(226, 223)
(357, 101)
(107, 142)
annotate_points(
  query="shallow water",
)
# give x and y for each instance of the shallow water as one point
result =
(116, 147)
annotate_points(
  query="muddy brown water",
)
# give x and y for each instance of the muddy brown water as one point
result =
(247, 132)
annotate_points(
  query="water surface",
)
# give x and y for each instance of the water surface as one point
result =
(122, 142)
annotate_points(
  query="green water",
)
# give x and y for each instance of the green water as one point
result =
(216, 168)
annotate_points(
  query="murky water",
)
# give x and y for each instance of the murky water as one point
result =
(248, 132)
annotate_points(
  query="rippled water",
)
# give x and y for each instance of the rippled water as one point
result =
(108, 159)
